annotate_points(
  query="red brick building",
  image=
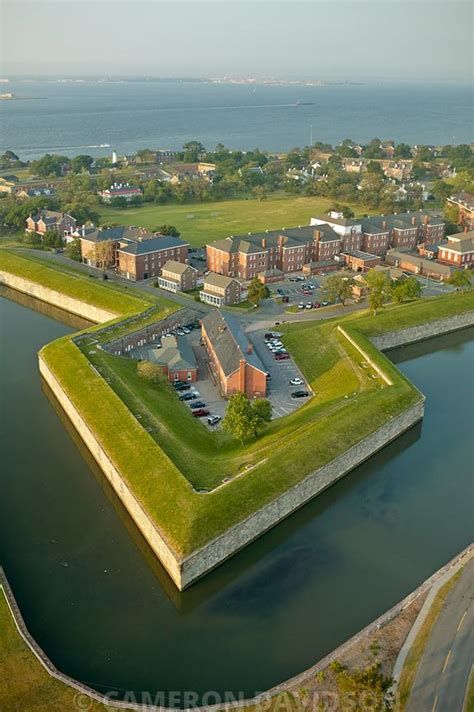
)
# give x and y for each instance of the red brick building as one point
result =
(176, 358)
(231, 357)
(458, 250)
(62, 223)
(464, 202)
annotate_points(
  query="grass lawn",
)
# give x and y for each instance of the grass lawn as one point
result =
(24, 683)
(204, 222)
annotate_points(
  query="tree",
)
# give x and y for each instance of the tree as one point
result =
(243, 417)
(167, 230)
(406, 290)
(403, 150)
(104, 254)
(379, 289)
(240, 420)
(73, 250)
(151, 372)
(338, 286)
(460, 279)
(81, 163)
(51, 238)
(257, 291)
(50, 165)
(193, 151)
(260, 192)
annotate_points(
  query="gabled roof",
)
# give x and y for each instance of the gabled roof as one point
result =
(229, 342)
(176, 267)
(176, 354)
(153, 244)
(218, 280)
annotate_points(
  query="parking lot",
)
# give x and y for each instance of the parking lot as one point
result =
(279, 388)
(281, 372)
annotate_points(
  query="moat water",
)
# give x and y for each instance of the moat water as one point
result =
(102, 608)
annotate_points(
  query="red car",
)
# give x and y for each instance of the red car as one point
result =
(200, 412)
(281, 357)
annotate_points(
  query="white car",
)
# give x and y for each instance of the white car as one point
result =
(301, 305)
(296, 382)
(195, 391)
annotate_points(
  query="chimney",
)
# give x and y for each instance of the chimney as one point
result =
(384, 224)
(280, 240)
(242, 375)
(264, 242)
(413, 220)
(317, 235)
(426, 219)
(250, 348)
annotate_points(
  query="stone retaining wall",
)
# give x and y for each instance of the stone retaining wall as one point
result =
(145, 524)
(70, 304)
(393, 339)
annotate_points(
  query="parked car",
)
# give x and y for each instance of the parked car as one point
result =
(306, 291)
(280, 291)
(214, 419)
(182, 387)
(269, 335)
(293, 279)
(200, 413)
(300, 394)
(195, 391)
(324, 304)
(308, 305)
(285, 300)
(301, 305)
(188, 396)
(296, 382)
(281, 357)
(317, 305)
(197, 404)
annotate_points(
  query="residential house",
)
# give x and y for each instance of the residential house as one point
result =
(219, 290)
(37, 192)
(236, 366)
(120, 190)
(177, 277)
(191, 171)
(176, 357)
(62, 223)
(458, 250)
(8, 184)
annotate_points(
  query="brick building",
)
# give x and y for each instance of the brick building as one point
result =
(458, 250)
(176, 358)
(135, 253)
(236, 366)
(177, 277)
(219, 290)
(418, 265)
(120, 190)
(62, 223)
(360, 261)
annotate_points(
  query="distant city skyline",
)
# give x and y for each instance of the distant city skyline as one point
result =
(353, 40)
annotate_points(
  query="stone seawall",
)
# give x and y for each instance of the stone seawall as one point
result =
(145, 524)
(393, 339)
(57, 299)
(221, 548)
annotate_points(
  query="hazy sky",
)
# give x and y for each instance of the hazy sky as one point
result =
(355, 39)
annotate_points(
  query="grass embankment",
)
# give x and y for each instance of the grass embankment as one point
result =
(415, 654)
(72, 283)
(204, 222)
(24, 683)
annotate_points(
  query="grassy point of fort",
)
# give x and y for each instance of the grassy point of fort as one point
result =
(180, 456)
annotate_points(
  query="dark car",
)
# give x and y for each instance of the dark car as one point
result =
(280, 291)
(285, 300)
(187, 396)
(181, 386)
(197, 404)
(281, 357)
(200, 413)
(268, 335)
(300, 394)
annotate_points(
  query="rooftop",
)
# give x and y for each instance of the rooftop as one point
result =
(176, 267)
(217, 280)
(230, 343)
(152, 244)
(176, 353)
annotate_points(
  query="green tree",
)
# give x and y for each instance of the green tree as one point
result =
(81, 163)
(260, 192)
(379, 289)
(406, 290)
(167, 230)
(51, 238)
(257, 291)
(192, 151)
(243, 417)
(151, 372)
(460, 279)
(73, 250)
(403, 150)
(49, 165)
(240, 419)
(338, 286)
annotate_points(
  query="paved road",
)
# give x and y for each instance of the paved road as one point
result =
(442, 677)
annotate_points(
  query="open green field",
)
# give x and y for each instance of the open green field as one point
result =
(204, 222)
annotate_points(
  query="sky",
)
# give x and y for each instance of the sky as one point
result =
(416, 40)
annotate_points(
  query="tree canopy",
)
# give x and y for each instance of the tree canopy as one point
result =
(243, 417)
